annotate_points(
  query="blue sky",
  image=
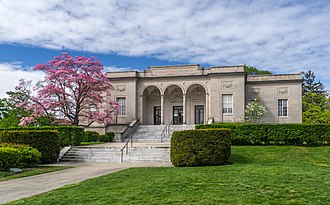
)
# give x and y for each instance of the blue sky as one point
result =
(281, 36)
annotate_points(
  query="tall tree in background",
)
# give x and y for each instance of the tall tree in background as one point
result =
(311, 85)
(315, 101)
(254, 71)
(74, 91)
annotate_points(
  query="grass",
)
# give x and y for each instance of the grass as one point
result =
(257, 175)
(91, 143)
(4, 176)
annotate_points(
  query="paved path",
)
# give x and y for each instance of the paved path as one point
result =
(25, 187)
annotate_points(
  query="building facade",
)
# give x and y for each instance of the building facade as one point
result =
(190, 94)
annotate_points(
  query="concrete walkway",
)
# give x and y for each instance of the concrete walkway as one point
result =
(28, 186)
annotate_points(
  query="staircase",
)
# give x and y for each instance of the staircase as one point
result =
(139, 153)
(152, 133)
(146, 147)
(92, 154)
(148, 133)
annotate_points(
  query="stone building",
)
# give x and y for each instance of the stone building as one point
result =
(191, 94)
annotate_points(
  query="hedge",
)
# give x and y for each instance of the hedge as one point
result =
(45, 141)
(200, 147)
(107, 137)
(13, 155)
(275, 134)
(91, 136)
(69, 135)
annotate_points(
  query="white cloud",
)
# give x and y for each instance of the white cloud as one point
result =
(282, 36)
(11, 73)
(114, 68)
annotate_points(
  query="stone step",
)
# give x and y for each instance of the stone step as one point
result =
(93, 157)
(151, 140)
(95, 152)
(148, 147)
(147, 153)
(149, 133)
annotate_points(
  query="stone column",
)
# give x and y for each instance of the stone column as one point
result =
(140, 115)
(162, 109)
(184, 108)
(207, 108)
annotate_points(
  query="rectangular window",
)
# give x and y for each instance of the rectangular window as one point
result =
(282, 107)
(227, 104)
(122, 106)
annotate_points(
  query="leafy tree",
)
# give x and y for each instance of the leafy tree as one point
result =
(74, 91)
(311, 85)
(315, 101)
(254, 71)
(10, 113)
(315, 115)
(254, 111)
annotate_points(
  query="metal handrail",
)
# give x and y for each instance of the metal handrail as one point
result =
(169, 126)
(126, 146)
(163, 133)
(165, 130)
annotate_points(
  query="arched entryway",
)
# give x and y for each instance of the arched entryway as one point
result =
(151, 100)
(196, 104)
(173, 105)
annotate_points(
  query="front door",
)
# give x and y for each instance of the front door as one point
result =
(199, 114)
(177, 115)
(157, 115)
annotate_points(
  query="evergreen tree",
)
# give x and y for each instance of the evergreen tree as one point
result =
(311, 85)
(315, 101)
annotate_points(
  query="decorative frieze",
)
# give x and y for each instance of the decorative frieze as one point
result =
(255, 92)
(282, 91)
(120, 88)
(227, 84)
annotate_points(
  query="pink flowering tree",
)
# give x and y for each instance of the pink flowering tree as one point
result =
(74, 91)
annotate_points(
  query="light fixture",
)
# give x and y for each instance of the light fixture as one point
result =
(156, 93)
(198, 92)
(175, 91)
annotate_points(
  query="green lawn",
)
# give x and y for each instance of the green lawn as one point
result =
(257, 175)
(30, 172)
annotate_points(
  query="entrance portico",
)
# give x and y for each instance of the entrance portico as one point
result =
(174, 104)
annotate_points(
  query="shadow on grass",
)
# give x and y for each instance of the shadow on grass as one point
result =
(239, 159)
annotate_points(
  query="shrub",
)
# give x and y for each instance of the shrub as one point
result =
(108, 137)
(200, 147)
(13, 155)
(69, 135)
(9, 157)
(45, 141)
(275, 134)
(91, 136)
